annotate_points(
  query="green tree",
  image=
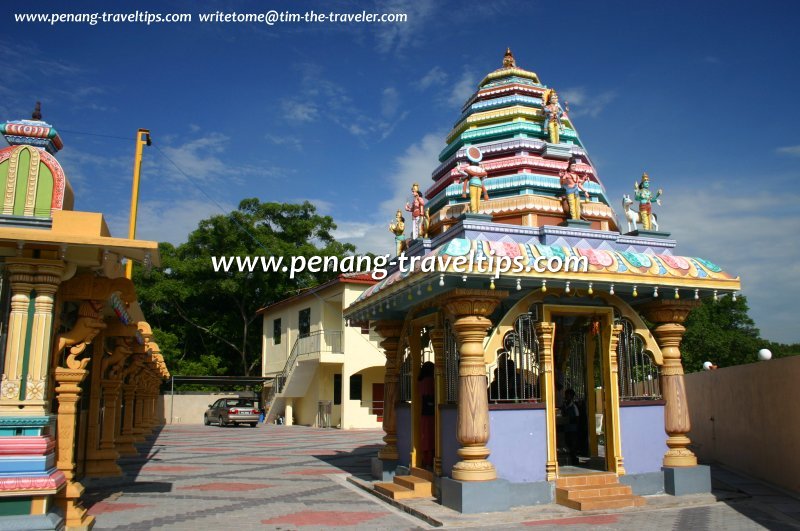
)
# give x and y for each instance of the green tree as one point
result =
(720, 332)
(208, 319)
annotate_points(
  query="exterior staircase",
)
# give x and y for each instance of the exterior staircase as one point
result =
(592, 492)
(419, 484)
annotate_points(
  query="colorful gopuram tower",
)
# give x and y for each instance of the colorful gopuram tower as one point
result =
(555, 337)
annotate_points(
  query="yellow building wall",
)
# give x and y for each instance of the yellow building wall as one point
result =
(362, 354)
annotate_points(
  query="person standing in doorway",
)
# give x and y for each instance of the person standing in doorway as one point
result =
(427, 393)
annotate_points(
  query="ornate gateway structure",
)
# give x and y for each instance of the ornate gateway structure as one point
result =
(549, 383)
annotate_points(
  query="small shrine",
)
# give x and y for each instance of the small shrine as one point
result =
(553, 335)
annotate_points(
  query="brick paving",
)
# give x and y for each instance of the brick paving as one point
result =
(271, 477)
(279, 477)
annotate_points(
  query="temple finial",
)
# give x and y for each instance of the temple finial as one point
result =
(37, 111)
(508, 59)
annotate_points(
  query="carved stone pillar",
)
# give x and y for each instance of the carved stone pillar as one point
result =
(437, 341)
(545, 331)
(46, 281)
(613, 398)
(138, 412)
(669, 315)
(390, 332)
(125, 441)
(470, 309)
(68, 393)
(21, 277)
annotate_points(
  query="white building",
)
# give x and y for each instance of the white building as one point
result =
(325, 373)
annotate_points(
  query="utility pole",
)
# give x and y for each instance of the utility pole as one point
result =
(142, 139)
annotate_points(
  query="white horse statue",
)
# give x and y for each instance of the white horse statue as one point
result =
(633, 216)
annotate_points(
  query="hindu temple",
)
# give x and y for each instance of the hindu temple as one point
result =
(81, 373)
(532, 340)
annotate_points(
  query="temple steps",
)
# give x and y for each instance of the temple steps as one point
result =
(592, 492)
(419, 484)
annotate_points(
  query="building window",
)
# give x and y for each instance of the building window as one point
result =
(304, 322)
(355, 387)
(276, 331)
(337, 389)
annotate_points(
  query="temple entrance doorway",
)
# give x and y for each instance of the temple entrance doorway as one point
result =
(582, 380)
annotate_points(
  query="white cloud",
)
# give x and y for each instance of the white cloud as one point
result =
(463, 88)
(582, 103)
(414, 165)
(435, 77)
(793, 151)
(401, 35)
(390, 102)
(167, 221)
(297, 111)
(750, 235)
(286, 141)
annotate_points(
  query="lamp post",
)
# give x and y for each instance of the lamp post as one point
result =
(142, 139)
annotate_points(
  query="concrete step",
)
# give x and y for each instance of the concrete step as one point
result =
(394, 491)
(421, 487)
(592, 491)
(422, 473)
(604, 478)
(605, 502)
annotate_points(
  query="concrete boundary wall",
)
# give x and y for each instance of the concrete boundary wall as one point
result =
(190, 407)
(747, 417)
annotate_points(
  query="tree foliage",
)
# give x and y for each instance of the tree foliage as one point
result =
(206, 321)
(723, 333)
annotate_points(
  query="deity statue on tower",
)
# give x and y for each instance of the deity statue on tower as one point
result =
(398, 228)
(572, 182)
(645, 198)
(474, 174)
(417, 209)
(508, 59)
(552, 115)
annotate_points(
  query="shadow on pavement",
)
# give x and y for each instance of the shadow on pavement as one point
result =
(100, 489)
(356, 462)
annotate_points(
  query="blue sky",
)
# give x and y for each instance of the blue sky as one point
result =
(701, 95)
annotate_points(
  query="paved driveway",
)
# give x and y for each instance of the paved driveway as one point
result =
(277, 477)
(270, 477)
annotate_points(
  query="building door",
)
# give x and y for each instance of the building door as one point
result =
(585, 389)
(377, 400)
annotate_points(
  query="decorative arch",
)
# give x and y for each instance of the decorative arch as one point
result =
(625, 310)
(32, 182)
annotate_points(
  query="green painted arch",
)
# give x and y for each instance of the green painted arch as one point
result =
(44, 187)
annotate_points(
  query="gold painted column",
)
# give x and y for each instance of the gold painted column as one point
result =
(21, 278)
(125, 441)
(615, 460)
(545, 331)
(390, 332)
(470, 310)
(437, 341)
(68, 394)
(46, 282)
(669, 315)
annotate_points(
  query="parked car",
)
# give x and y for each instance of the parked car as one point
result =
(234, 411)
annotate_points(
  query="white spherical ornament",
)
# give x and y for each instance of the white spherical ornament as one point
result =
(764, 354)
(707, 365)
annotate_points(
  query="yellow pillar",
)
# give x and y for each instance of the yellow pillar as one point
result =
(437, 341)
(669, 315)
(614, 459)
(46, 282)
(21, 278)
(124, 443)
(470, 310)
(390, 332)
(545, 331)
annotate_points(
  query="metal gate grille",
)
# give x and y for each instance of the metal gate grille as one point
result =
(638, 374)
(515, 377)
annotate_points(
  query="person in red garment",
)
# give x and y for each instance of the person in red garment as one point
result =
(427, 394)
